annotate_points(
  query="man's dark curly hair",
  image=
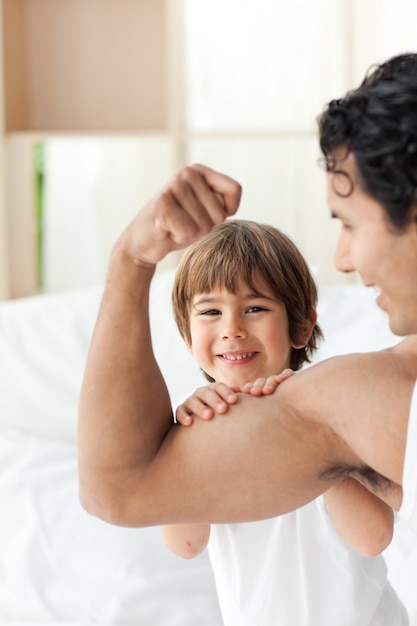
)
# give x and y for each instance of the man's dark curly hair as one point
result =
(377, 123)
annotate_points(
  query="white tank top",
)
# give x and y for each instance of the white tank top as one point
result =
(296, 570)
(408, 511)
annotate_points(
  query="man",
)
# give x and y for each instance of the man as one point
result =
(347, 416)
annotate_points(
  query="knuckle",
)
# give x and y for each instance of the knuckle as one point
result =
(165, 203)
(176, 187)
(186, 174)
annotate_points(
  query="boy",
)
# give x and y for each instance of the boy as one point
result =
(244, 302)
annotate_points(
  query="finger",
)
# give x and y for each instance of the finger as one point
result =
(180, 216)
(271, 384)
(253, 389)
(197, 407)
(216, 396)
(183, 417)
(189, 206)
(227, 188)
(161, 227)
(226, 393)
(201, 205)
(259, 382)
(284, 375)
(261, 386)
(212, 402)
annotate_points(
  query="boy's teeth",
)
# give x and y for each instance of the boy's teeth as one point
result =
(237, 357)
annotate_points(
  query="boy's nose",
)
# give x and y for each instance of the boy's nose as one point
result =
(233, 330)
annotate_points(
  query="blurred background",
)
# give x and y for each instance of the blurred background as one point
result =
(103, 100)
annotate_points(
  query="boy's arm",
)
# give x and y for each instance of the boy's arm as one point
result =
(186, 540)
(363, 520)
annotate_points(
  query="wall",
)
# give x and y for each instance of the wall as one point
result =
(146, 87)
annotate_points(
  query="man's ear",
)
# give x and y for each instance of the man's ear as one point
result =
(308, 330)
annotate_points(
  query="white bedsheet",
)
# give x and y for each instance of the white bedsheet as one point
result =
(60, 567)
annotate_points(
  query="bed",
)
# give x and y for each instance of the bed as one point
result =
(58, 565)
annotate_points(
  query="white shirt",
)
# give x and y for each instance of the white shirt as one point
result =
(408, 511)
(296, 570)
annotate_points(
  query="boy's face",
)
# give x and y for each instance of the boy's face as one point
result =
(385, 259)
(239, 337)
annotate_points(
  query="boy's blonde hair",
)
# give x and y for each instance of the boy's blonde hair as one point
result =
(230, 255)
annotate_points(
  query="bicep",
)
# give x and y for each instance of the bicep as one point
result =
(272, 454)
(365, 400)
(260, 460)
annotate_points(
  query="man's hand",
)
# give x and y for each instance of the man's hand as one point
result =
(195, 200)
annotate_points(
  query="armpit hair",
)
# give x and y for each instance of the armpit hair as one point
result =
(368, 477)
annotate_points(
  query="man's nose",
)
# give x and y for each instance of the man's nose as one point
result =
(342, 255)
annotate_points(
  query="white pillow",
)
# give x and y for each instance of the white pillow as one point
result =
(60, 565)
(43, 346)
(351, 321)
(44, 342)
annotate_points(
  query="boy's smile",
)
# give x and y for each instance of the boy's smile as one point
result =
(239, 337)
(238, 358)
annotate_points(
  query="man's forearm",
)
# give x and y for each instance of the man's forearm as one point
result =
(125, 408)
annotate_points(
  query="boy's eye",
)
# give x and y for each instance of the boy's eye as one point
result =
(210, 312)
(256, 309)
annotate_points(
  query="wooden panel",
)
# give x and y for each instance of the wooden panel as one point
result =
(21, 221)
(4, 257)
(14, 50)
(85, 65)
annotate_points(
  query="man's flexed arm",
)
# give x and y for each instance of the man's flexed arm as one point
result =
(271, 454)
(125, 409)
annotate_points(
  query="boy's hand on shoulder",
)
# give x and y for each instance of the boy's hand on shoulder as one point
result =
(214, 398)
(205, 402)
(267, 386)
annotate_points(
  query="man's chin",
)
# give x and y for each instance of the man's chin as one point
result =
(400, 328)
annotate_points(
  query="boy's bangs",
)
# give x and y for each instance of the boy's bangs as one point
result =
(224, 271)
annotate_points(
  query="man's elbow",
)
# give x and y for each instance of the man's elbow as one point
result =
(109, 507)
